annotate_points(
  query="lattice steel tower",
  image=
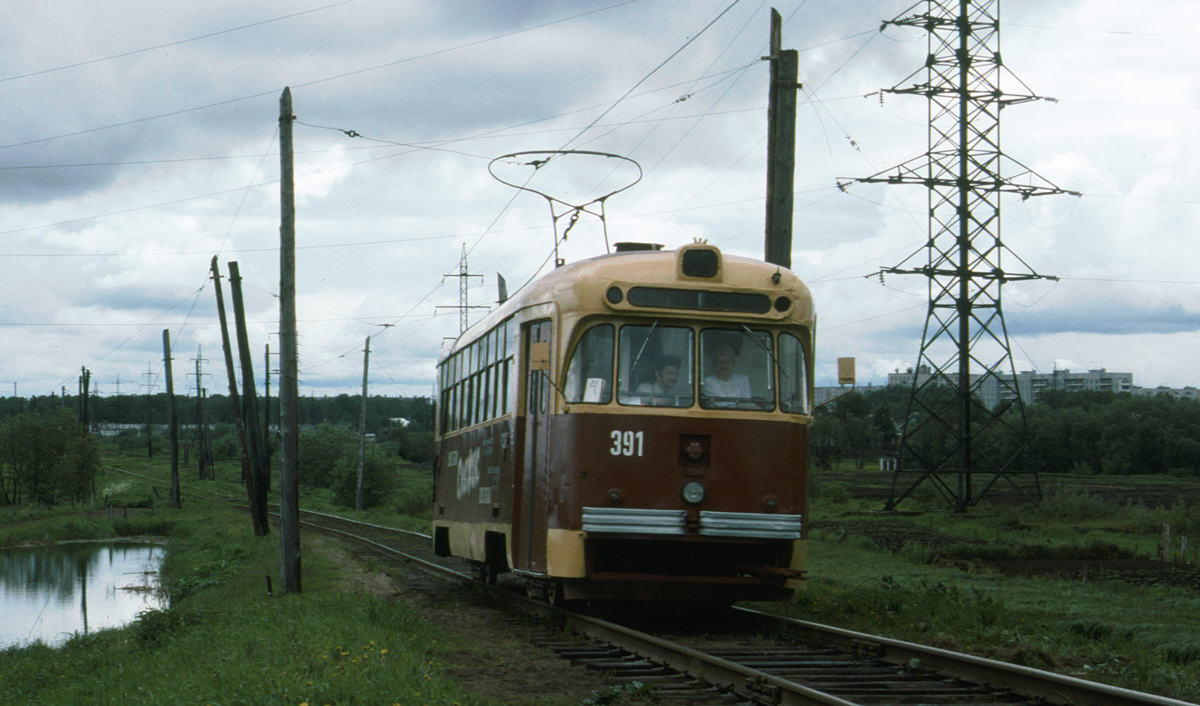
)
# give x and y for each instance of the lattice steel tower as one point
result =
(950, 434)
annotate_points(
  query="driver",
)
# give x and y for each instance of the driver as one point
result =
(666, 376)
(724, 382)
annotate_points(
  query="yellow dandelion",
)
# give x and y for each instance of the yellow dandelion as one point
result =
(383, 651)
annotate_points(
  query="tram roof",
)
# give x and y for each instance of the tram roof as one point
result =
(581, 286)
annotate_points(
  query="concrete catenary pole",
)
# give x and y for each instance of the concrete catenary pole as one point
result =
(781, 147)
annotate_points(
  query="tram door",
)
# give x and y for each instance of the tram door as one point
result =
(531, 549)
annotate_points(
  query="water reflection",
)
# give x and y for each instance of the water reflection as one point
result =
(49, 593)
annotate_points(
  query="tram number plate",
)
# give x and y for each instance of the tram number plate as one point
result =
(626, 443)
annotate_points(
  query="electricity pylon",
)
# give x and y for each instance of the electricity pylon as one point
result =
(463, 304)
(965, 415)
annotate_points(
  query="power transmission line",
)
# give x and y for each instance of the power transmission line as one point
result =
(965, 357)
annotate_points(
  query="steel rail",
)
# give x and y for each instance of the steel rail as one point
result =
(747, 681)
(430, 566)
(410, 533)
(1027, 681)
(724, 674)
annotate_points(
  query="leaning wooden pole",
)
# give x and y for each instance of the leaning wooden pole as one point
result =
(234, 398)
(289, 428)
(256, 485)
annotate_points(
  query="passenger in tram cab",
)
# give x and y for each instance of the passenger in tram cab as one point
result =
(664, 391)
(724, 383)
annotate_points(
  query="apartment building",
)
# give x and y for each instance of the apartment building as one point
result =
(1003, 387)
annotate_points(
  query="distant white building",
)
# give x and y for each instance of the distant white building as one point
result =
(1030, 384)
(1001, 387)
(1180, 393)
(822, 395)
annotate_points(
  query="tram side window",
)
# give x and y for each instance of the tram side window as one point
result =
(793, 376)
(464, 399)
(589, 374)
(475, 381)
(736, 368)
(444, 409)
(474, 407)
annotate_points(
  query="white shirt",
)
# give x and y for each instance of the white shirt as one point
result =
(738, 385)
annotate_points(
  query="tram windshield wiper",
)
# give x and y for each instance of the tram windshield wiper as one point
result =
(645, 343)
(770, 353)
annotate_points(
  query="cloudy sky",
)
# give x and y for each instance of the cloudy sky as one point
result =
(139, 139)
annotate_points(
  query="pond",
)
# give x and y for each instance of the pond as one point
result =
(50, 593)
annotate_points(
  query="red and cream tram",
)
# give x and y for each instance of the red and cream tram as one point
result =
(633, 426)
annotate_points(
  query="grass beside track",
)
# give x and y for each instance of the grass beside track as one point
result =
(1141, 637)
(224, 640)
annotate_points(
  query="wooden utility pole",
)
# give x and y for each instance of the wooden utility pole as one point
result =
(234, 398)
(362, 429)
(259, 475)
(149, 412)
(781, 146)
(208, 454)
(267, 405)
(85, 377)
(201, 430)
(289, 428)
(173, 421)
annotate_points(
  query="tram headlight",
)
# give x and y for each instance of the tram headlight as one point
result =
(693, 492)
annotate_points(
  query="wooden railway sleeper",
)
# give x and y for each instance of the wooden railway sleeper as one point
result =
(763, 690)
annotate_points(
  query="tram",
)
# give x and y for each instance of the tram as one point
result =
(633, 427)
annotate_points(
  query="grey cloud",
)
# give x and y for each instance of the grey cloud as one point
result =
(1116, 320)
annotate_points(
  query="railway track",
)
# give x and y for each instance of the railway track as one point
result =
(808, 664)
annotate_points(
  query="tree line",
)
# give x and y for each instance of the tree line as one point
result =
(49, 456)
(1087, 432)
(46, 459)
(153, 409)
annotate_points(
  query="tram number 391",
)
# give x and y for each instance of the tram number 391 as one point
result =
(626, 443)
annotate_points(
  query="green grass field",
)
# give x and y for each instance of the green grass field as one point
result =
(224, 641)
(1142, 637)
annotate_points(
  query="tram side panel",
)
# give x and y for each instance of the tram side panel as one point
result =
(473, 498)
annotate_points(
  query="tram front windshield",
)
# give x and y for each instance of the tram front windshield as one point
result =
(661, 365)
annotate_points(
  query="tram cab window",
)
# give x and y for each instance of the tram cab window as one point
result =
(655, 366)
(793, 376)
(736, 369)
(589, 374)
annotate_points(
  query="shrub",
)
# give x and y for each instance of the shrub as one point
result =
(379, 478)
(413, 498)
(1074, 505)
(154, 628)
